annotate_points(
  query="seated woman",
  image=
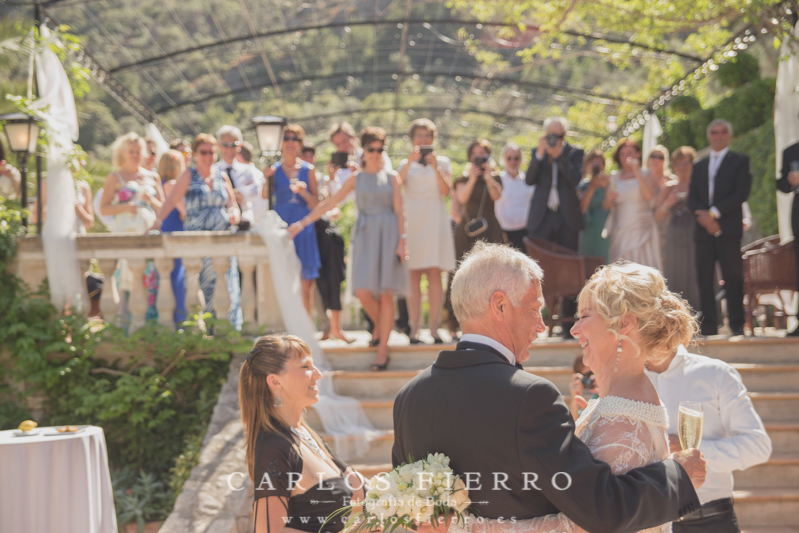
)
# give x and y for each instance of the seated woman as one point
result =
(627, 317)
(298, 481)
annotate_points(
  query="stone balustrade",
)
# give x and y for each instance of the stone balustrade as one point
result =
(258, 301)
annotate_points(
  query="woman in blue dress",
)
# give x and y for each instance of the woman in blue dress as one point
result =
(296, 193)
(379, 249)
(210, 206)
(170, 167)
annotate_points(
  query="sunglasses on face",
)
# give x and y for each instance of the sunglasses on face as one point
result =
(372, 150)
(513, 158)
(205, 152)
(151, 152)
(290, 138)
(230, 145)
(657, 156)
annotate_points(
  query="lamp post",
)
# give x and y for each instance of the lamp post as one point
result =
(22, 131)
(269, 130)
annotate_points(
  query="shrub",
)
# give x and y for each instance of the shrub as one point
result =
(738, 71)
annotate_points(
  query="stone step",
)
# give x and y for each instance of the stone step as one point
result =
(764, 507)
(776, 406)
(555, 352)
(784, 436)
(769, 377)
(365, 385)
(781, 470)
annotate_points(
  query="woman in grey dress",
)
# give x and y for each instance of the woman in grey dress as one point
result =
(379, 249)
(679, 267)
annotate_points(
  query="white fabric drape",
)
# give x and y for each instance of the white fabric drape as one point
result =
(342, 417)
(161, 146)
(652, 132)
(786, 120)
(57, 105)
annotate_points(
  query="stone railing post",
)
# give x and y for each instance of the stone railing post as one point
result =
(221, 296)
(166, 299)
(137, 304)
(248, 294)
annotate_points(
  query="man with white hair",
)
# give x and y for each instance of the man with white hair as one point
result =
(720, 184)
(247, 180)
(555, 215)
(507, 432)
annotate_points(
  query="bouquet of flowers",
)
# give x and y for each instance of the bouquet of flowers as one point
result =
(411, 494)
(128, 192)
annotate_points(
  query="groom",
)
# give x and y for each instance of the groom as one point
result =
(508, 433)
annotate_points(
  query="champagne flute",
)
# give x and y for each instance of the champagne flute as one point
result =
(293, 182)
(689, 424)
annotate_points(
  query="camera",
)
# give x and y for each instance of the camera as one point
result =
(480, 160)
(552, 139)
(339, 159)
(588, 381)
(595, 170)
(424, 151)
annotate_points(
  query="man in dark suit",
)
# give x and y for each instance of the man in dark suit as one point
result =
(555, 170)
(789, 183)
(508, 433)
(720, 185)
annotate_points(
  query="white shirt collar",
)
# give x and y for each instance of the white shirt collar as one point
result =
(505, 173)
(488, 341)
(721, 154)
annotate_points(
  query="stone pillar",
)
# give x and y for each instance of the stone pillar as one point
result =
(108, 304)
(166, 300)
(221, 296)
(193, 266)
(248, 295)
(138, 299)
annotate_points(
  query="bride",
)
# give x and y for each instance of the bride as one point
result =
(627, 316)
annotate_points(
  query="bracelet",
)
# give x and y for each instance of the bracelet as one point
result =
(404, 236)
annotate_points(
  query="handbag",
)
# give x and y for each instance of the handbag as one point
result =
(478, 225)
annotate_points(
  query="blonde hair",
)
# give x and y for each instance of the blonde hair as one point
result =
(171, 165)
(684, 153)
(626, 290)
(121, 144)
(663, 150)
(256, 400)
(489, 268)
(202, 138)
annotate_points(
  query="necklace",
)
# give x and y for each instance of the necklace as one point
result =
(309, 441)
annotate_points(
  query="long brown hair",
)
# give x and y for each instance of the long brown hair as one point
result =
(256, 400)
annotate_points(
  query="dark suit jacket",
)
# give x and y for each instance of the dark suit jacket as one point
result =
(789, 154)
(539, 173)
(731, 189)
(490, 417)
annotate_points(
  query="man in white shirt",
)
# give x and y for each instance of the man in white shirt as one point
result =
(513, 206)
(733, 436)
(247, 181)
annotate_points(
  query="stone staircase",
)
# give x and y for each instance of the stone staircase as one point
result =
(766, 496)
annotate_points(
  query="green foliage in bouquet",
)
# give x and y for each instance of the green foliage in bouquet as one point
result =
(410, 495)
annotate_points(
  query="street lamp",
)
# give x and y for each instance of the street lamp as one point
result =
(22, 131)
(269, 130)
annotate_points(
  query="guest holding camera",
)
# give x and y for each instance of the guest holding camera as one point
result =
(426, 177)
(476, 191)
(555, 170)
(513, 206)
(595, 202)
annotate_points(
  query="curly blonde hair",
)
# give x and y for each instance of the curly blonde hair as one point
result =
(624, 289)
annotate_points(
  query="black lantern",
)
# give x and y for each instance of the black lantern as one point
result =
(269, 130)
(22, 132)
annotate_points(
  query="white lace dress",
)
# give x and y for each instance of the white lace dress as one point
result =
(624, 433)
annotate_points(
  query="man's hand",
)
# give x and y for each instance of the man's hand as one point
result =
(239, 196)
(793, 178)
(706, 220)
(694, 464)
(543, 145)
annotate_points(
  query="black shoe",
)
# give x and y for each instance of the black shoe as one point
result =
(416, 341)
(708, 332)
(380, 368)
(738, 332)
(437, 340)
(374, 342)
(794, 333)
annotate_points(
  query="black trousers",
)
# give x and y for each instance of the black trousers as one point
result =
(516, 238)
(554, 229)
(727, 252)
(722, 523)
(795, 227)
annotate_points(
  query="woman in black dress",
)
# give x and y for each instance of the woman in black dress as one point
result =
(298, 482)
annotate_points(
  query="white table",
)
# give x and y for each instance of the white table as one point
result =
(53, 482)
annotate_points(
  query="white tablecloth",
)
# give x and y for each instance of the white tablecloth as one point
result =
(56, 483)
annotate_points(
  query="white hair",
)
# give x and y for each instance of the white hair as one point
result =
(489, 268)
(719, 122)
(232, 131)
(556, 120)
(510, 147)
